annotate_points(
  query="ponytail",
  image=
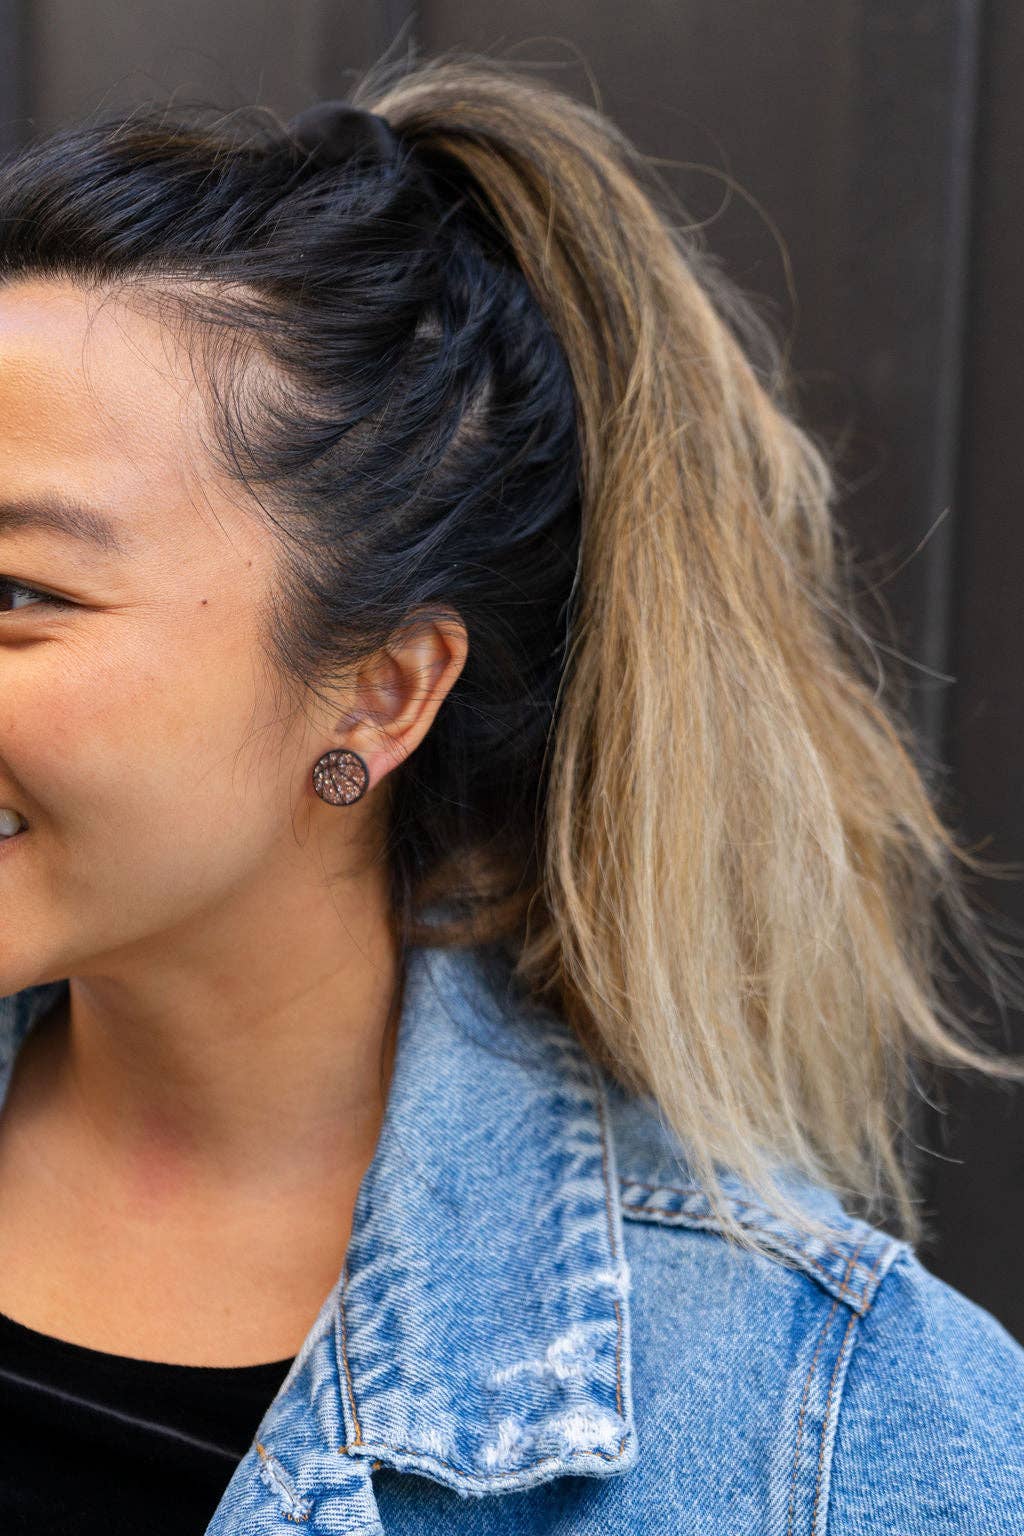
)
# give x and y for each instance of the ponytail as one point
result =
(743, 873)
(479, 372)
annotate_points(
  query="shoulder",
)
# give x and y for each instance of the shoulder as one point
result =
(841, 1385)
(933, 1414)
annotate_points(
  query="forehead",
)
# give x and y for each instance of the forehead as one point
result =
(96, 396)
(113, 366)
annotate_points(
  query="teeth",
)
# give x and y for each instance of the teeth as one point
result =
(10, 822)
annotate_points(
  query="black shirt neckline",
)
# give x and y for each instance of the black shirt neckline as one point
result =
(73, 1356)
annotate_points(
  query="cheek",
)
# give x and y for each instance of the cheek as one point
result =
(143, 775)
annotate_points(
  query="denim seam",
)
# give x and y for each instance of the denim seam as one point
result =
(695, 1189)
(846, 1291)
(617, 1257)
(345, 1362)
(415, 1450)
(581, 1059)
(826, 1326)
(294, 1507)
(840, 1357)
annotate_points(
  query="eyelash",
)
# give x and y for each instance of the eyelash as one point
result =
(19, 586)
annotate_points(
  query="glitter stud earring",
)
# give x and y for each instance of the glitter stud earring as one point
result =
(340, 777)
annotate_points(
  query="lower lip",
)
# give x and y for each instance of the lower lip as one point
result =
(7, 843)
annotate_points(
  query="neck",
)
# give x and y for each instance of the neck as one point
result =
(180, 1078)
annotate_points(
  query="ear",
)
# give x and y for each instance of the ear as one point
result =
(393, 701)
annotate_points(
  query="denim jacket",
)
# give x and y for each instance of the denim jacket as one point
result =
(539, 1327)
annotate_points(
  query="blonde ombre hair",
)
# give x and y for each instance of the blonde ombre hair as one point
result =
(744, 876)
(665, 780)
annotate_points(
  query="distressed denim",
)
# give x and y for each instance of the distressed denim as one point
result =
(539, 1328)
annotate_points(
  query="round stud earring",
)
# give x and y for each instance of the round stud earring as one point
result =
(340, 777)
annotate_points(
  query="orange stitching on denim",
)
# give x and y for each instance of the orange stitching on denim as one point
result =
(344, 1355)
(800, 1418)
(807, 1387)
(748, 1205)
(461, 1472)
(808, 1258)
(617, 1258)
(415, 1450)
(828, 1401)
(268, 1458)
(695, 1189)
(812, 1263)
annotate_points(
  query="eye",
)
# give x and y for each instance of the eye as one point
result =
(9, 589)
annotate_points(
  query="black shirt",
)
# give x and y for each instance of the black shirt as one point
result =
(95, 1443)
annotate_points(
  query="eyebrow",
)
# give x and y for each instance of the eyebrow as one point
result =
(63, 515)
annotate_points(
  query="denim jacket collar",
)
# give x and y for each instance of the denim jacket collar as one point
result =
(484, 1310)
(479, 1333)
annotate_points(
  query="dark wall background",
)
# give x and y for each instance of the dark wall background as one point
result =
(857, 165)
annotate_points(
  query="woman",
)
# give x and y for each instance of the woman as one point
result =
(469, 922)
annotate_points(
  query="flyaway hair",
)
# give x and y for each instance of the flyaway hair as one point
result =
(490, 378)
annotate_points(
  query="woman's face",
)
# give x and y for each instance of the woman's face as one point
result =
(140, 734)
